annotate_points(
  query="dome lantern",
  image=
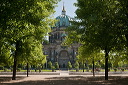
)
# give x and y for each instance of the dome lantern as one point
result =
(63, 20)
(63, 10)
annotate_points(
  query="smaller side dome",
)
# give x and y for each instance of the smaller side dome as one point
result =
(63, 35)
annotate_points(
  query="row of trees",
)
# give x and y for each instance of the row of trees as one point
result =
(23, 27)
(69, 65)
(101, 27)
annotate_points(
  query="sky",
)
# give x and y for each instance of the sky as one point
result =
(69, 7)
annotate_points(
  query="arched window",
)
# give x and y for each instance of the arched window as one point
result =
(64, 54)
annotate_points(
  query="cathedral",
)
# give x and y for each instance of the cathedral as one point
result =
(54, 50)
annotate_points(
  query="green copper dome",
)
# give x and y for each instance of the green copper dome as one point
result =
(63, 19)
(63, 35)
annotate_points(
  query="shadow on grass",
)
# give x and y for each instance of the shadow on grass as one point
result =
(76, 80)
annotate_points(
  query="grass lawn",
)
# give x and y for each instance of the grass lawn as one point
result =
(45, 70)
(30, 70)
(102, 70)
(79, 70)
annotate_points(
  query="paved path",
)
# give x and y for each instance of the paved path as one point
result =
(63, 77)
(64, 73)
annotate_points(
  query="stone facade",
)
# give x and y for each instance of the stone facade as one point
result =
(54, 50)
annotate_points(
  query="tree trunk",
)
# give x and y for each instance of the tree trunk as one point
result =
(106, 65)
(126, 36)
(14, 68)
(15, 61)
(83, 66)
(27, 69)
(93, 68)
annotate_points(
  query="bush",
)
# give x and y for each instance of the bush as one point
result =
(50, 65)
(122, 69)
(5, 69)
(56, 65)
(11, 69)
(77, 69)
(108, 69)
(69, 65)
(53, 68)
(1, 68)
(18, 69)
(76, 65)
(115, 69)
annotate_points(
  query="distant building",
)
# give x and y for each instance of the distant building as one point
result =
(54, 50)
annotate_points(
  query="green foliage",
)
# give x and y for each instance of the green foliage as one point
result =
(1, 68)
(69, 66)
(115, 69)
(82, 65)
(100, 24)
(76, 65)
(40, 66)
(56, 65)
(26, 22)
(5, 69)
(23, 26)
(53, 68)
(5, 54)
(97, 25)
(50, 65)
(18, 69)
(46, 42)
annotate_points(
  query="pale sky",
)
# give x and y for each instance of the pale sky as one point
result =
(69, 7)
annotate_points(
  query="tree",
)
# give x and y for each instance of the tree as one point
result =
(76, 65)
(90, 54)
(122, 19)
(96, 24)
(83, 54)
(69, 65)
(50, 65)
(25, 23)
(56, 65)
